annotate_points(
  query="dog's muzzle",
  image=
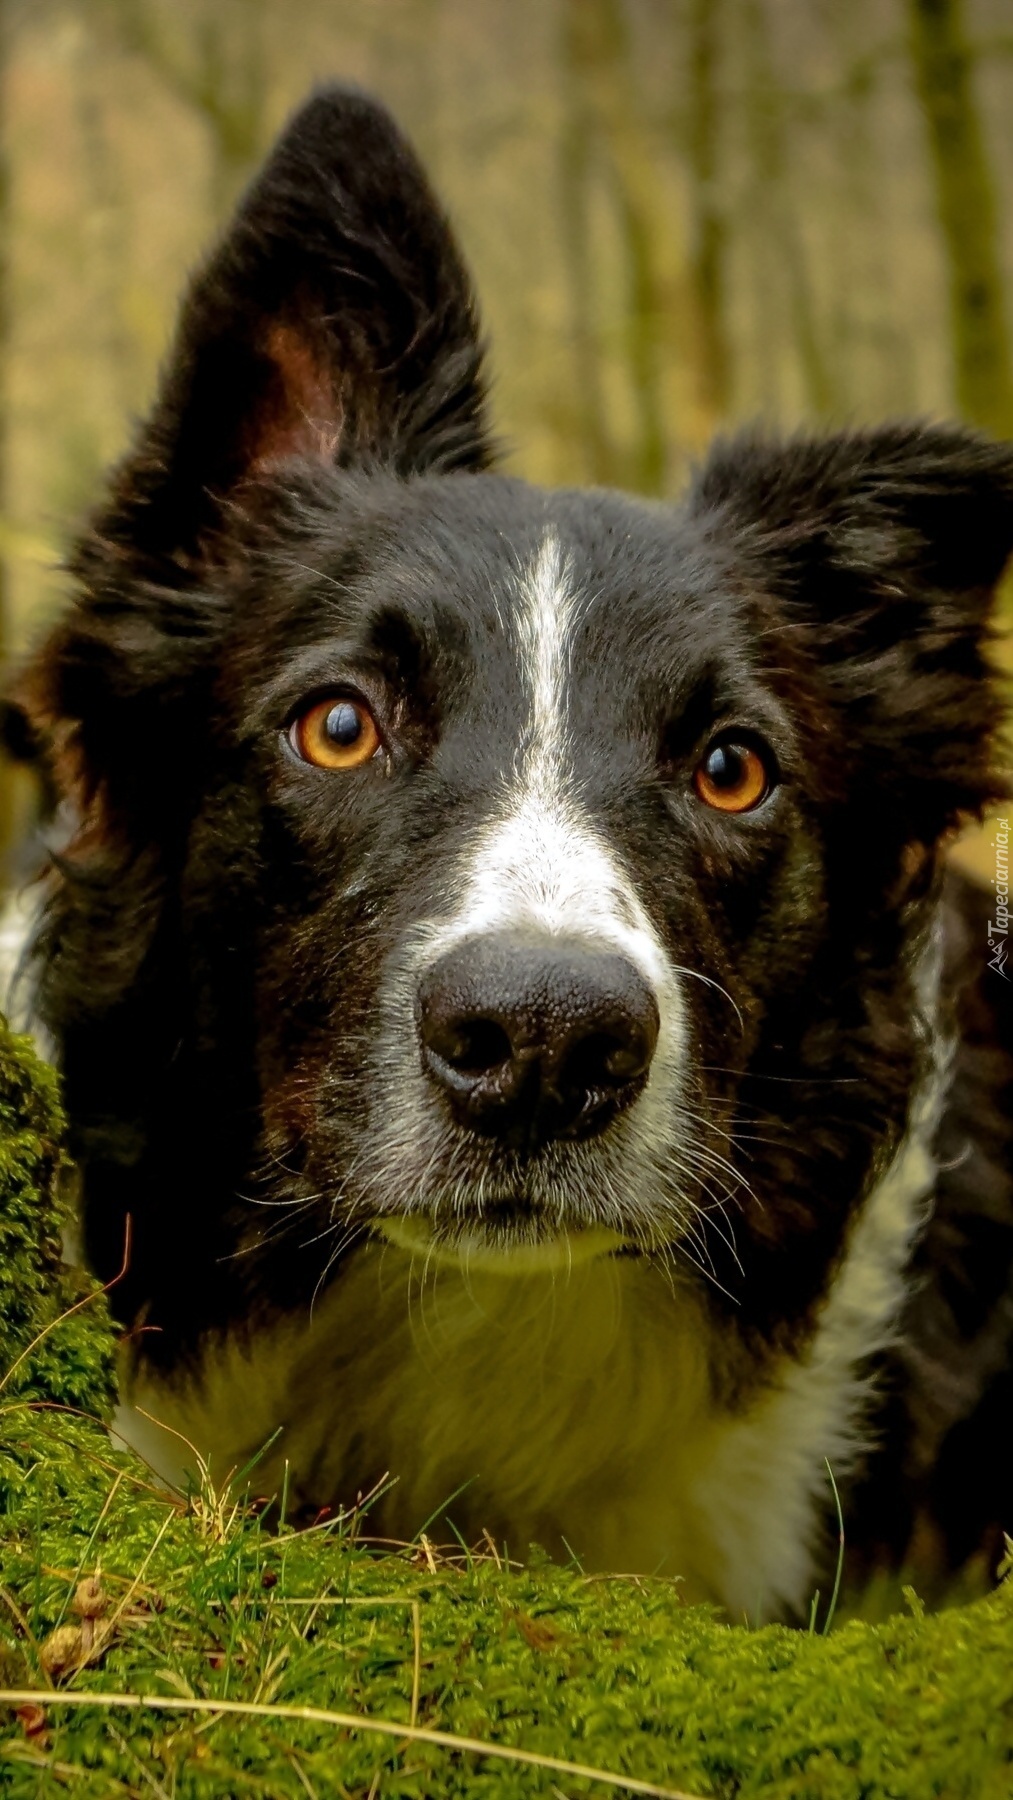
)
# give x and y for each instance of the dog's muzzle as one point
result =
(530, 1040)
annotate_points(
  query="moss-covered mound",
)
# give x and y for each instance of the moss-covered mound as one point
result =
(71, 1362)
(109, 1587)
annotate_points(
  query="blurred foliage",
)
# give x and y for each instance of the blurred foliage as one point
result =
(680, 213)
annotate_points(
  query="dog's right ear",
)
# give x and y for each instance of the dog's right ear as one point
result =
(334, 324)
(334, 321)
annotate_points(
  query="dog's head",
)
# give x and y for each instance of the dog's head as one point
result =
(518, 873)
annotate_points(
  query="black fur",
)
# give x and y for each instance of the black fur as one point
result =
(309, 507)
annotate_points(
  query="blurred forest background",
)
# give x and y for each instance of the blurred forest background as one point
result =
(679, 213)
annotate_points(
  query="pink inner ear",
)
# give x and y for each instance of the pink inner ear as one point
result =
(303, 414)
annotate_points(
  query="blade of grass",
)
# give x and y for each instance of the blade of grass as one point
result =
(416, 1661)
(840, 1552)
(441, 1509)
(317, 1715)
(19, 1618)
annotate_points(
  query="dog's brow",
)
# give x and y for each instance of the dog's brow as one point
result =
(315, 665)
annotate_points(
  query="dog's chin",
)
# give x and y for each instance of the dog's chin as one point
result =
(501, 1249)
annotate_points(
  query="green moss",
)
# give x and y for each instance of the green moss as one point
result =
(617, 1674)
(613, 1673)
(72, 1364)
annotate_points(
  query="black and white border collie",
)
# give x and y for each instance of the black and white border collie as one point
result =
(503, 966)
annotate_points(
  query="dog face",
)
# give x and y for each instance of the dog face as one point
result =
(518, 874)
(473, 982)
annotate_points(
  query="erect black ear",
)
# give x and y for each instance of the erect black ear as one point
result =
(885, 548)
(335, 320)
(335, 323)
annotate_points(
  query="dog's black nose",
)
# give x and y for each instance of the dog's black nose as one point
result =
(531, 1040)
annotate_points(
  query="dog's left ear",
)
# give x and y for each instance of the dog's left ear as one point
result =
(335, 322)
(884, 548)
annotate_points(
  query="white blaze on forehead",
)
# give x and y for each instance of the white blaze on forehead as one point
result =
(538, 863)
(544, 625)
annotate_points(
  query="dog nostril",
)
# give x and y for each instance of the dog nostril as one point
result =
(604, 1059)
(474, 1046)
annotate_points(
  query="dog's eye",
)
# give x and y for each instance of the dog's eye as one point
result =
(335, 734)
(732, 777)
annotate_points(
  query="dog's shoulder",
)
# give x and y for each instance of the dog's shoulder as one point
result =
(935, 1491)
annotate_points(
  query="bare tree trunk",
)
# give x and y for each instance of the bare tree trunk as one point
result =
(968, 216)
(230, 92)
(601, 461)
(708, 254)
(598, 56)
(875, 361)
(223, 78)
(108, 246)
(771, 162)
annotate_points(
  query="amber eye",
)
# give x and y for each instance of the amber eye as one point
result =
(732, 777)
(335, 734)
